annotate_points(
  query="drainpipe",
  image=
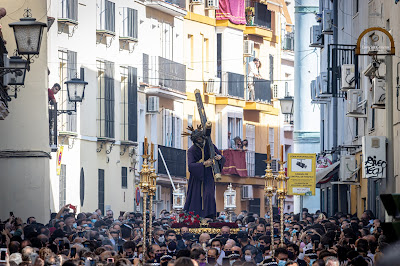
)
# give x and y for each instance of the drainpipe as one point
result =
(390, 182)
(334, 98)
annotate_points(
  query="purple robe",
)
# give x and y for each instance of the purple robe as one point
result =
(201, 177)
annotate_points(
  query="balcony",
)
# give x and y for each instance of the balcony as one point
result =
(232, 84)
(172, 7)
(164, 77)
(262, 90)
(235, 163)
(257, 14)
(175, 160)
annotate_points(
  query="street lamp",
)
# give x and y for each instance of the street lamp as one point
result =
(76, 90)
(17, 78)
(76, 93)
(28, 34)
(287, 105)
(230, 201)
(178, 199)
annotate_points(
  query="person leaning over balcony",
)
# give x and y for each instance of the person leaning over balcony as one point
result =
(54, 90)
(245, 144)
(254, 72)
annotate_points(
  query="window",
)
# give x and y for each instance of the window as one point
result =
(172, 129)
(356, 6)
(63, 186)
(271, 140)
(190, 123)
(105, 99)
(207, 54)
(235, 128)
(190, 38)
(69, 9)
(262, 15)
(67, 71)
(146, 68)
(101, 190)
(166, 40)
(129, 23)
(128, 103)
(275, 91)
(219, 55)
(250, 154)
(124, 177)
(106, 15)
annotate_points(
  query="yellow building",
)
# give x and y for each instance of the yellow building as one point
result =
(216, 58)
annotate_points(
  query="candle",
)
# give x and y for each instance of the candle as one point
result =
(151, 152)
(145, 146)
(281, 153)
(268, 152)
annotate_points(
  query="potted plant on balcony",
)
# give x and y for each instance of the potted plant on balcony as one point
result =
(249, 15)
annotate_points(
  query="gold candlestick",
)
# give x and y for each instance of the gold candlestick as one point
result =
(281, 192)
(269, 190)
(152, 187)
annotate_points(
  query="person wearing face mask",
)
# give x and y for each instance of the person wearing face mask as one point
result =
(294, 249)
(158, 236)
(250, 254)
(129, 250)
(199, 255)
(217, 244)
(212, 256)
(154, 253)
(281, 256)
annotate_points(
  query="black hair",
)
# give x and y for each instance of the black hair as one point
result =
(280, 251)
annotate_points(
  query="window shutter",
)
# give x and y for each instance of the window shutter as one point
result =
(271, 68)
(124, 177)
(101, 190)
(71, 73)
(132, 104)
(109, 99)
(109, 16)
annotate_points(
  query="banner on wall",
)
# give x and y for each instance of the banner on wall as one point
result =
(59, 157)
(301, 173)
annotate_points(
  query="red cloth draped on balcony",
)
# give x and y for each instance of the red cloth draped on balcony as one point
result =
(235, 163)
(232, 10)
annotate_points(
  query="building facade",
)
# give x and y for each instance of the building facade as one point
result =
(351, 111)
(142, 61)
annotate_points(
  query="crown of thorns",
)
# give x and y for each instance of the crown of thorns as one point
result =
(194, 133)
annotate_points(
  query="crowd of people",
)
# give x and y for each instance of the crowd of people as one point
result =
(93, 239)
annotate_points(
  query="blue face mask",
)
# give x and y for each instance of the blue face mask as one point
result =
(311, 262)
(371, 230)
(222, 216)
(286, 229)
(281, 263)
(74, 225)
(294, 231)
(94, 220)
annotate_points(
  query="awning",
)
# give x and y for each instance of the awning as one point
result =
(274, 5)
(325, 174)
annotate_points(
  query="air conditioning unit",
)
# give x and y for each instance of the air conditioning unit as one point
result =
(196, 2)
(374, 157)
(378, 89)
(316, 36)
(348, 79)
(327, 17)
(348, 168)
(313, 91)
(214, 85)
(353, 100)
(157, 196)
(212, 4)
(248, 48)
(323, 83)
(247, 192)
(153, 104)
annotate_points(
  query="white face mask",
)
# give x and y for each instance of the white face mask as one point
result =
(161, 239)
(219, 249)
(247, 258)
